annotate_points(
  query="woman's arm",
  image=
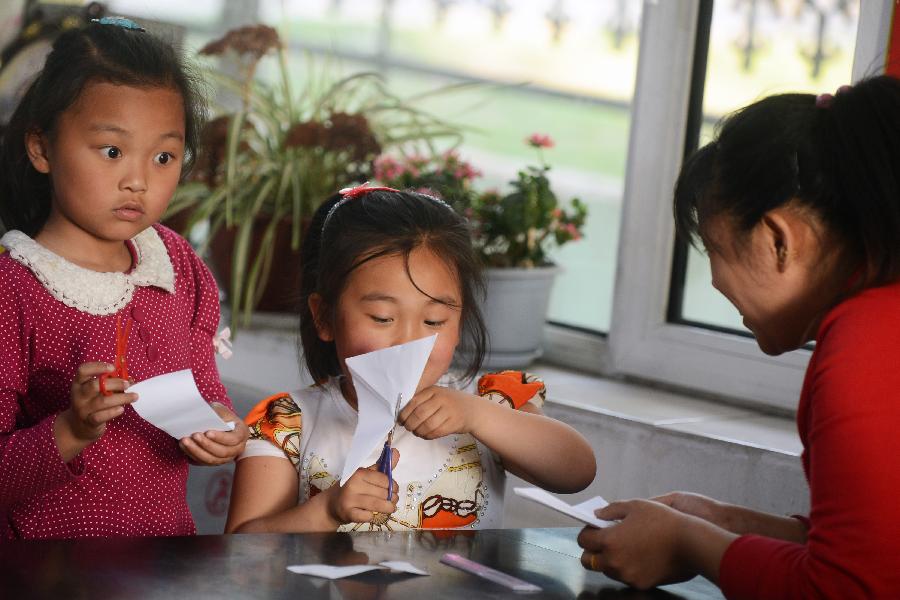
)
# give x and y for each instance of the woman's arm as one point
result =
(736, 519)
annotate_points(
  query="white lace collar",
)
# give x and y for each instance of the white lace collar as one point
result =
(92, 291)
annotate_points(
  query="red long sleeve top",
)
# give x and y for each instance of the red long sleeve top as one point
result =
(849, 423)
(54, 316)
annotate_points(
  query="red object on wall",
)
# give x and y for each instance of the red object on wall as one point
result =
(892, 61)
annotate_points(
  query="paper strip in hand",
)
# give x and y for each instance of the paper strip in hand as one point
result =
(584, 512)
(173, 403)
(378, 377)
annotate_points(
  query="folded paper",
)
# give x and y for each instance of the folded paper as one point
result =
(173, 403)
(378, 378)
(583, 512)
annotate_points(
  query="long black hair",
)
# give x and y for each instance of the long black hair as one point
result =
(836, 155)
(376, 224)
(94, 53)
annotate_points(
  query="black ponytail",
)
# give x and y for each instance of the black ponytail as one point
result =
(839, 156)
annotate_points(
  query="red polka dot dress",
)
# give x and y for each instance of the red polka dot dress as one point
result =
(54, 316)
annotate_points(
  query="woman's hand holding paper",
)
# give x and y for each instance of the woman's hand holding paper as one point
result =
(653, 544)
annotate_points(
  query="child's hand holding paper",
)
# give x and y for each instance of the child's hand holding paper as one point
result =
(214, 447)
(208, 434)
(379, 378)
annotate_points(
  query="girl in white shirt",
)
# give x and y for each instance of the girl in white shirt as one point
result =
(380, 268)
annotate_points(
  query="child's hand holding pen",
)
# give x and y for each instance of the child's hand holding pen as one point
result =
(362, 498)
(213, 448)
(90, 410)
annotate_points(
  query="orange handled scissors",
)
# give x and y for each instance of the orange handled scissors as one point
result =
(121, 370)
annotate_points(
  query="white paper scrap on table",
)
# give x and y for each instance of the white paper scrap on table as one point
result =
(378, 378)
(583, 512)
(403, 567)
(332, 572)
(173, 403)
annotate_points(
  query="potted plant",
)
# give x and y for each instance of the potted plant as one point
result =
(265, 167)
(513, 232)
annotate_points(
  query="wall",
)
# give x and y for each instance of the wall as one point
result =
(635, 459)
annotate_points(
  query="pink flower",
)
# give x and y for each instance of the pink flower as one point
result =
(386, 168)
(539, 140)
(427, 192)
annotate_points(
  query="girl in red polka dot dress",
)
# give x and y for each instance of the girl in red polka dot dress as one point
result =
(90, 160)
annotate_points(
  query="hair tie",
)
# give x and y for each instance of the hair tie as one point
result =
(122, 22)
(825, 100)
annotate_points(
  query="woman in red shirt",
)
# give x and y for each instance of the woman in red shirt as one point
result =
(797, 202)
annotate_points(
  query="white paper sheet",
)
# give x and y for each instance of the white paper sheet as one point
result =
(332, 572)
(583, 512)
(173, 403)
(378, 377)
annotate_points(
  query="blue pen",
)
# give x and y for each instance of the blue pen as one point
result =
(384, 461)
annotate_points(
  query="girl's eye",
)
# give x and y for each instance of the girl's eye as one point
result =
(381, 319)
(112, 152)
(435, 323)
(163, 158)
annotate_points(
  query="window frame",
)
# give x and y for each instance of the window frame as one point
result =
(642, 342)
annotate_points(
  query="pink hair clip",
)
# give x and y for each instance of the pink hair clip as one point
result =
(363, 189)
(348, 194)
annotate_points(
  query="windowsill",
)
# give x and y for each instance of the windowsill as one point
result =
(669, 411)
(266, 360)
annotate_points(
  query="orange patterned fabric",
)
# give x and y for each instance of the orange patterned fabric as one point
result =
(278, 420)
(516, 387)
(440, 512)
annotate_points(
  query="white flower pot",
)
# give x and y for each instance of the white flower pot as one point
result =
(515, 309)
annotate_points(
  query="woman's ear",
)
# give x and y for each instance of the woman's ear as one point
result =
(320, 317)
(785, 232)
(36, 147)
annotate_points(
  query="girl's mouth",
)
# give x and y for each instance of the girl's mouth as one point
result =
(129, 213)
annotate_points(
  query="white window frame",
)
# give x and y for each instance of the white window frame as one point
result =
(642, 343)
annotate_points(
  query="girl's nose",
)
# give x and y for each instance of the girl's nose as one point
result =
(411, 332)
(134, 180)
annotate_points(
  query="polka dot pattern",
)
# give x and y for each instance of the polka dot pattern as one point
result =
(132, 481)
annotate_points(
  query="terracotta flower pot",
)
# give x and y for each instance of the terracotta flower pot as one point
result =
(281, 293)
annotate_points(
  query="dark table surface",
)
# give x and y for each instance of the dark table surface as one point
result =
(254, 566)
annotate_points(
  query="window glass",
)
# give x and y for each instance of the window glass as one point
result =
(561, 68)
(565, 69)
(757, 49)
